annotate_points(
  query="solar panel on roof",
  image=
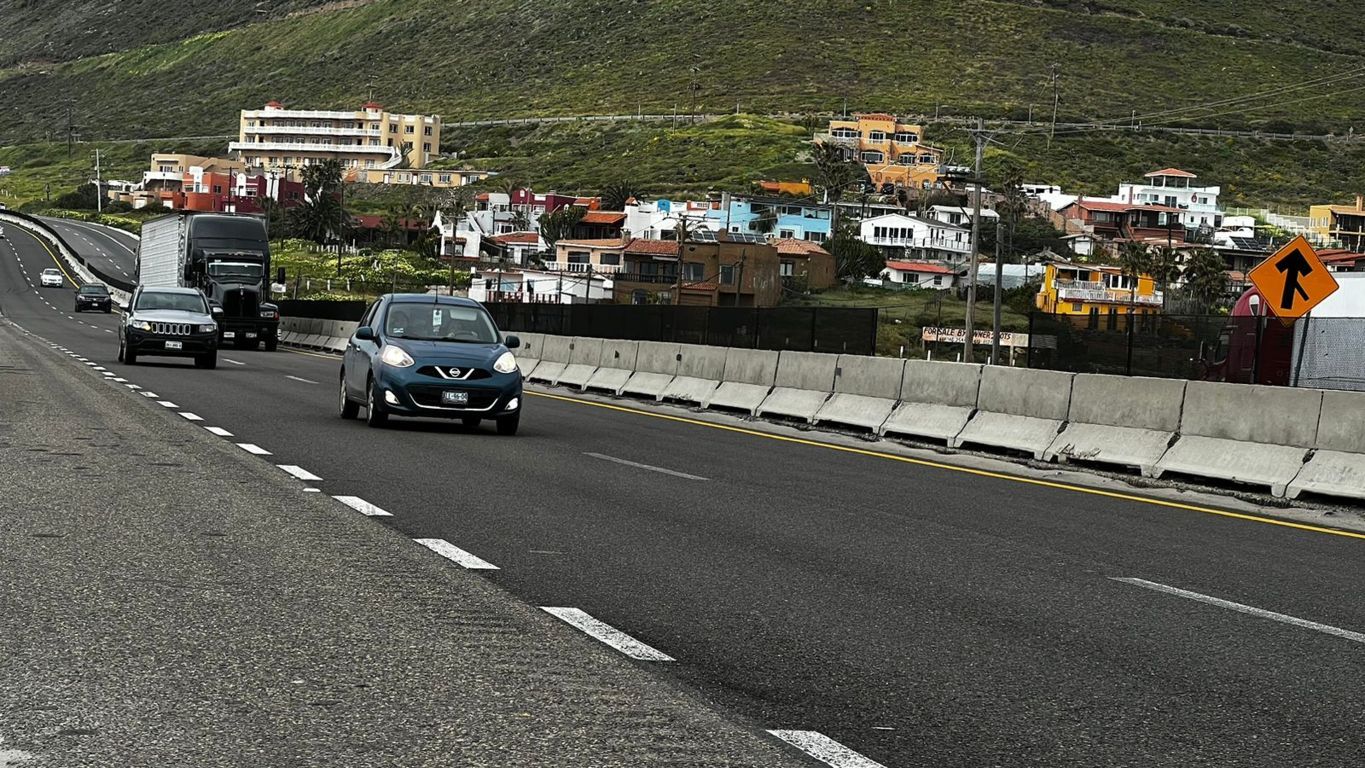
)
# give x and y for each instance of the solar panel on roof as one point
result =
(746, 237)
(703, 236)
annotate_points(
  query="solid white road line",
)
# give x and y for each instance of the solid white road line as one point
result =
(234, 362)
(305, 381)
(607, 634)
(825, 749)
(1346, 634)
(298, 472)
(649, 467)
(456, 555)
(253, 448)
(219, 431)
(167, 404)
(362, 506)
(191, 416)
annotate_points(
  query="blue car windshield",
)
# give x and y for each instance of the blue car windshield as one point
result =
(185, 302)
(440, 322)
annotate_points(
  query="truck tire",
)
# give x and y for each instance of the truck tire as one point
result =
(271, 342)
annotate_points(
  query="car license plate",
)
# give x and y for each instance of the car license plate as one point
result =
(229, 334)
(251, 334)
(455, 398)
(174, 345)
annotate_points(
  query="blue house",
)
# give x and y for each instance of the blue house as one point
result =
(781, 217)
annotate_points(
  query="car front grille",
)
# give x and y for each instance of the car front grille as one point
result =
(172, 329)
(453, 372)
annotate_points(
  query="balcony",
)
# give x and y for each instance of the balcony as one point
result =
(296, 146)
(289, 130)
(928, 244)
(579, 268)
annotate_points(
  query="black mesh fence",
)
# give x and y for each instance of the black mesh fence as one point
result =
(806, 329)
(1327, 353)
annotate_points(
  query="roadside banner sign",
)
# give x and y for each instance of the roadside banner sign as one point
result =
(1294, 280)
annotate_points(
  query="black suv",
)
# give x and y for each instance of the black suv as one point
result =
(169, 322)
(94, 296)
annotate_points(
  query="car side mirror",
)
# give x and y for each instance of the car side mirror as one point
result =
(512, 342)
(215, 310)
(365, 333)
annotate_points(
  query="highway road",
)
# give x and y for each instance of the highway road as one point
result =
(917, 615)
(112, 250)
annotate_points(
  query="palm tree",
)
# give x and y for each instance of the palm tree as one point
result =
(616, 194)
(1135, 260)
(1205, 277)
(1164, 266)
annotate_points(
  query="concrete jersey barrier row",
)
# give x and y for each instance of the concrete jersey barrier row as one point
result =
(1291, 441)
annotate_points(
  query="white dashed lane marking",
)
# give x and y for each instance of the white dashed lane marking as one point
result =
(362, 506)
(649, 467)
(234, 362)
(825, 749)
(607, 634)
(219, 431)
(1295, 621)
(254, 449)
(456, 555)
(191, 416)
(167, 404)
(299, 472)
(305, 381)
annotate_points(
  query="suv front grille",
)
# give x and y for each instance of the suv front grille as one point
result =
(172, 329)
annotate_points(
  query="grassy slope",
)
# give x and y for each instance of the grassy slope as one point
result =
(35, 166)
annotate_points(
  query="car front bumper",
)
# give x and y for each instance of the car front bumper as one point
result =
(103, 305)
(406, 393)
(147, 343)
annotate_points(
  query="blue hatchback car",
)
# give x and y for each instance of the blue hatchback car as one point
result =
(431, 356)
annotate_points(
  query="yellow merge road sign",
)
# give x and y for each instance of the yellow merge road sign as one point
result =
(1294, 280)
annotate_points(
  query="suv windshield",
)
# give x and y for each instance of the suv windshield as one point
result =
(185, 302)
(440, 322)
(236, 269)
(94, 290)
(51, 272)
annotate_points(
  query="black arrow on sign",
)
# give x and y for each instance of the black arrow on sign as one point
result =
(1294, 266)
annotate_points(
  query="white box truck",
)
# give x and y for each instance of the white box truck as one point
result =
(227, 256)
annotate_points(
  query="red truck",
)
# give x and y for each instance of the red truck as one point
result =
(1325, 349)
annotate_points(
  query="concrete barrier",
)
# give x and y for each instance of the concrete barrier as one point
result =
(1337, 467)
(1128, 421)
(554, 356)
(937, 400)
(865, 392)
(336, 344)
(583, 358)
(656, 363)
(1244, 433)
(749, 376)
(1018, 409)
(615, 366)
(700, 370)
(528, 354)
(803, 383)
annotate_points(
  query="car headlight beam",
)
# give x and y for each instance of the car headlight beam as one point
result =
(395, 356)
(142, 325)
(507, 363)
(208, 328)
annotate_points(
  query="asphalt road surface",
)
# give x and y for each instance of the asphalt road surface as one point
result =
(112, 250)
(916, 615)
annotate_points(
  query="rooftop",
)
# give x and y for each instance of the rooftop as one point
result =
(644, 247)
(603, 217)
(927, 267)
(790, 246)
(1176, 172)
(527, 238)
(608, 242)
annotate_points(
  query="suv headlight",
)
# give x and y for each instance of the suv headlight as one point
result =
(507, 363)
(142, 325)
(395, 356)
(208, 328)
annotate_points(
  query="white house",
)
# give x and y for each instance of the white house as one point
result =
(1175, 188)
(536, 287)
(921, 274)
(962, 215)
(459, 239)
(900, 234)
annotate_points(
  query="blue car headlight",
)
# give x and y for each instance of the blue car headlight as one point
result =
(507, 363)
(395, 356)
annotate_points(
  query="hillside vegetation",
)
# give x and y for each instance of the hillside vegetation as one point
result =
(489, 58)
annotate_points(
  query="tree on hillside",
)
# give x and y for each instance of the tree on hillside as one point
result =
(560, 224)
(1135, 260)
(322, 217)
(835, 170)
(1164, 267)
(853, 258)
(1205, 277)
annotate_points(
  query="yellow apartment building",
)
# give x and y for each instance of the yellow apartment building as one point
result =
(1102, 295)
(1343, 223)
(892, 151)
(286, 140)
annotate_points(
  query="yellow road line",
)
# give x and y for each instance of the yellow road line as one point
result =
(965, 470)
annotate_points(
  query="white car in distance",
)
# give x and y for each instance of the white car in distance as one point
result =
(52, 278)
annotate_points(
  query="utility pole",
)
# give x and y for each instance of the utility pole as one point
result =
(1056, 101)
(99, 186)
(980, 137)
(999, 278)
(70, 131)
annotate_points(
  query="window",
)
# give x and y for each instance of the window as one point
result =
(610, 259)
(905, 137)
(815, 236)
(445, 178)
(785, 268)
(905, 160)
(727, 274)
(426, 131)
(873, 157)
(579, 257)
(1113, 323)
(876, 136)
(639, 297)
(1077, 307)
(844, 133)
(926, 159)
(938, 279)
(393, 128)
(408, 129)
(694, 271)
(786, 234)
(426, 146)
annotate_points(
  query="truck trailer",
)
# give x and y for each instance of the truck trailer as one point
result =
(227, 256)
